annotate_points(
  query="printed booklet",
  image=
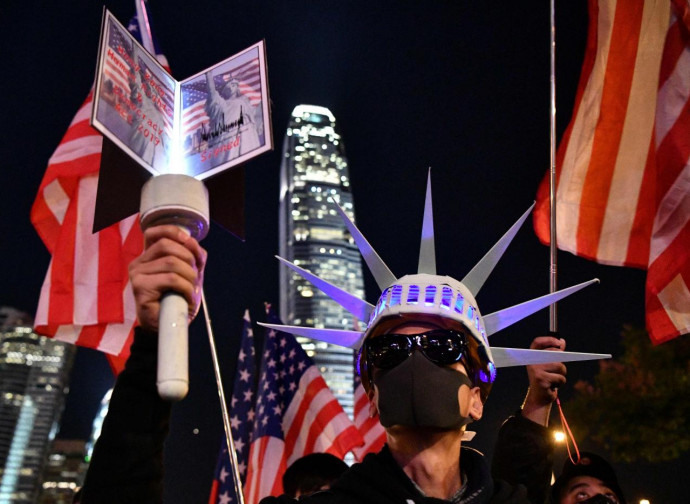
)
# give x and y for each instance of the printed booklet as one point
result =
(200, 126)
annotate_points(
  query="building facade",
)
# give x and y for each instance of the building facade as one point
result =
(312, 235)
(34, 373)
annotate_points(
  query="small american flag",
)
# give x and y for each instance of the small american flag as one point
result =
(241, 420)
(296, 414)
(86, 297)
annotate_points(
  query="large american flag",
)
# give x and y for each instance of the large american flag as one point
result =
(241, 420)
(86, 297)
(623, 193)
(296, 414)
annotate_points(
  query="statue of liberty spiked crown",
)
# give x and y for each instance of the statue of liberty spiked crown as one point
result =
(442, 300)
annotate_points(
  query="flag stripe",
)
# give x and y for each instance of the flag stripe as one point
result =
(637, 127)
(607, 136)
(370, 428)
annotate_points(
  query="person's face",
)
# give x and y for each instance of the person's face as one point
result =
(582, 488)
(469, 399)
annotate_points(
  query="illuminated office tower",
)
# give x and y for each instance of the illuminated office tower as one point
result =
(64, 471)
(34, 372)
(313, 236)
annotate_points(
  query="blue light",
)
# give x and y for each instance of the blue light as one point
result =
(382, 301)
(413, 294)
(396, 295)
(446, 296)
(459, 303)
(430, 295)
(492, 374)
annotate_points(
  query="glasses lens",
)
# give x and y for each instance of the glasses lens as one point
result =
(388, 350)
(443, 347)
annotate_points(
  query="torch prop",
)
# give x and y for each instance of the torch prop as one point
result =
(183, 201)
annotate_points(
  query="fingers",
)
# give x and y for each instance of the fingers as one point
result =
(171, 261)
(168, 239)
(548, 343)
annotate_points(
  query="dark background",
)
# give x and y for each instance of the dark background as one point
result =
(461, 87)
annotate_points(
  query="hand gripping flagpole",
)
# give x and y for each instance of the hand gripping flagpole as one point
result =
(183, 201)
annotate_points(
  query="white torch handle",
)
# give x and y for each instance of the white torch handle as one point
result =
(173, 368)
(183, 201)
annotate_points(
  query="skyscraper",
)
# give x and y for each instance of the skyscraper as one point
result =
(33, 378)
(313, 236)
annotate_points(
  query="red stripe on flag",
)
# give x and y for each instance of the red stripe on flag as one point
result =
(542, 210)
(619, 74)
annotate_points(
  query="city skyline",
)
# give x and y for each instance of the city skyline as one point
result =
(34, 379)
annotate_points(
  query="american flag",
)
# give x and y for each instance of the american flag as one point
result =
(194, 94)
(241, 420)
(86, 297)
(296, 414)
(623, 193)
(116, 66)
(371, 429)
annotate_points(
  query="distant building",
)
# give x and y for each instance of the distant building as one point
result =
(64, 471)
(313, 170)
(34, 373)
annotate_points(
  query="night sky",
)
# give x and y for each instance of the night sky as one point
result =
(461, 87)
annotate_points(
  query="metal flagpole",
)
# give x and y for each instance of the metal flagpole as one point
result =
(553, 284)
(223, 405)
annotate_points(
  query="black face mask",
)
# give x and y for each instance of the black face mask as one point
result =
(598, 499)
(418, 393)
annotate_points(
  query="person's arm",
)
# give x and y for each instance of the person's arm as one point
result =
(524, 449)
(127, 463)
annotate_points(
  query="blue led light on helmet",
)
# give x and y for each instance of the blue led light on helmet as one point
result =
(430, 295)
(396, 295)
(459, 303)
(491, 376)
(446, 297)
(413, 294)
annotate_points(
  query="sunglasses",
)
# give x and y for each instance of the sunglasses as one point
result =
(440, 346)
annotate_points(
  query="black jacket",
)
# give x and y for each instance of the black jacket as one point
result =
(524, 455)
(379, 479)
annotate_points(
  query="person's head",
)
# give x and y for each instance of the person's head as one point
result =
(591, 478)
(422, 374)
(311, 473)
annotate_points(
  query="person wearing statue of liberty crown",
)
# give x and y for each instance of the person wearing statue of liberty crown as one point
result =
(424, 359)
